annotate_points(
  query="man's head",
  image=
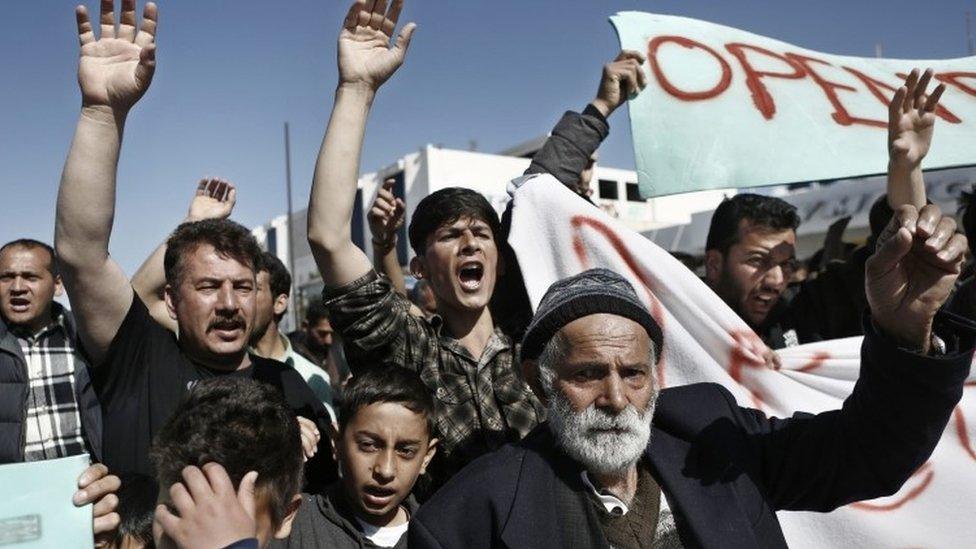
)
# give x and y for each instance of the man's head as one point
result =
(384, 441)
(29, 280)
(273, 286)
(210, 288)
(453, 233)
(750, 253)
(590, 350)
(244, 425)
(318, 329)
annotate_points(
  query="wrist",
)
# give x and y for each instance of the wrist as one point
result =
(359, 91)
(103, 114)
(384, 245)
(900, 165)
(603, 106)
(919, 341)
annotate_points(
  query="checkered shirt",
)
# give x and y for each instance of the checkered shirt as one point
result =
(479, 403)
(53, 424)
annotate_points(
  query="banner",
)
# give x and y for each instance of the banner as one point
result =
(728, 108)
(36, 509)
(556, 234)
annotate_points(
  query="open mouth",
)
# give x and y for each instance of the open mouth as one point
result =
(20, 304)
(765, 300)
(377, 496)
(228, 330)
(470, 274)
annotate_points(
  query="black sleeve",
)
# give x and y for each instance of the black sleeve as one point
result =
(568, 149)
(127, 360)
(321, 470)
(885, 430)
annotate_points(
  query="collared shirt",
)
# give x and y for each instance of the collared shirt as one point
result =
(479, 403)
(317, 378)
(665, 532)
(52, 424)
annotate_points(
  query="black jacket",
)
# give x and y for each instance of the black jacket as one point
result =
(725, 470)
(13, 397)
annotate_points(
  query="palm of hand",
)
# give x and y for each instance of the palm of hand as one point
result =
(365, 57)
(107, 73)
(205, 207)
(913, 136)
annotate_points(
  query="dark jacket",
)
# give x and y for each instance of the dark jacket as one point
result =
(13, 396)
(325, 520)
(725, 470)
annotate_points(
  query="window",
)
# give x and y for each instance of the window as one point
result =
(609, 190)
(272, 241)
(633, 193)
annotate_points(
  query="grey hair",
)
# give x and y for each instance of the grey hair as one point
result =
(554, 352)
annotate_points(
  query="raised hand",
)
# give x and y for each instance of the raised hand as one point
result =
(214, 199)
(115, 70)
(911, 120)
(209, 512)
(310, 437)
(918, 259)
(365, 55)
(621, 78)
(386, 216)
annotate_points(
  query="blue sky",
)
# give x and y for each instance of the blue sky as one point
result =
(231, 72)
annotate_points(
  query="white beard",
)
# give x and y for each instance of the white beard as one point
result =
(601, 452)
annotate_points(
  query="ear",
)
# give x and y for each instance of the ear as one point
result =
(169, 295)
(530, 373)
(417, 267)
(431, 450)
(714, 262)
(280, 304)
(284, 530)
(58, 285)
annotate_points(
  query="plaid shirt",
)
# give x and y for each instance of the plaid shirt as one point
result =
(479, 404)
(52, 424)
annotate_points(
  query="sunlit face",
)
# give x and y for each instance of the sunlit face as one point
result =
(460, 263)
(319, 335)
(381, 452)
(214, 306)
(755, 272)
(27, 287)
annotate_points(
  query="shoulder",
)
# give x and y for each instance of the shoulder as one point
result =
(487, 482)
(694, 406)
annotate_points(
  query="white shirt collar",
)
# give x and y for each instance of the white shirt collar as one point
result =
(613, 504)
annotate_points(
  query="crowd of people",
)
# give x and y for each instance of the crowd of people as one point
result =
(452, 415)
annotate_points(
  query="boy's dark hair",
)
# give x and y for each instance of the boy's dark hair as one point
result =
(137, 503)
(229, 239)
(447, 206)
(316, 312)
(31, 244)
(386, 384)
(279, 280)
(967, 211)
(242, 424)
(764, 211)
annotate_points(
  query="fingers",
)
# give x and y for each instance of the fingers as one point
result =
(928, 221)
(403, 39)
(310, 436)
(890, 252)
(166, 519)
(85, 33)
(232, 195)
(896, 105)
(147, 32)
(91, 474)
(127, 22)
(933, 101)
(202, 186)
(910, 84)
(394, 14)
(245, 493)
(180, 498)
(919, 100)
(146, 66)
(217, 477)
(196, 482)
(106, 523)
(630, 54)
(352, 16)
(105, 505)
(107, 19)
(944, 230)
(953, 253)
(97, 490)
(377, 18)
(366, 14)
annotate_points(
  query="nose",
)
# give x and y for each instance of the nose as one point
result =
(613, 397)
(775, 277)
(384, 468)
(469, 242)
(227, 299)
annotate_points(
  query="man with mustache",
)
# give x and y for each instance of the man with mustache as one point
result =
(48, 407)
(622, 464)
(142, 370)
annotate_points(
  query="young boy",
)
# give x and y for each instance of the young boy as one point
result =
(229, 467)
(383, 444)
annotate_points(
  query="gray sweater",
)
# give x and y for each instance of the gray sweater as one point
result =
(326, 520)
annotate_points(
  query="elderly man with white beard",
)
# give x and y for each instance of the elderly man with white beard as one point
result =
(621, 464)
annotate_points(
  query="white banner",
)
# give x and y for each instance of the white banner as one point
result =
(556, 234)
(728, 108)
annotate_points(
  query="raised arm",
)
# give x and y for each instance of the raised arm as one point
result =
(366, 60)
(113, 73)
(214, 199)
(385, 219)
(911, 121)
(578, 135)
